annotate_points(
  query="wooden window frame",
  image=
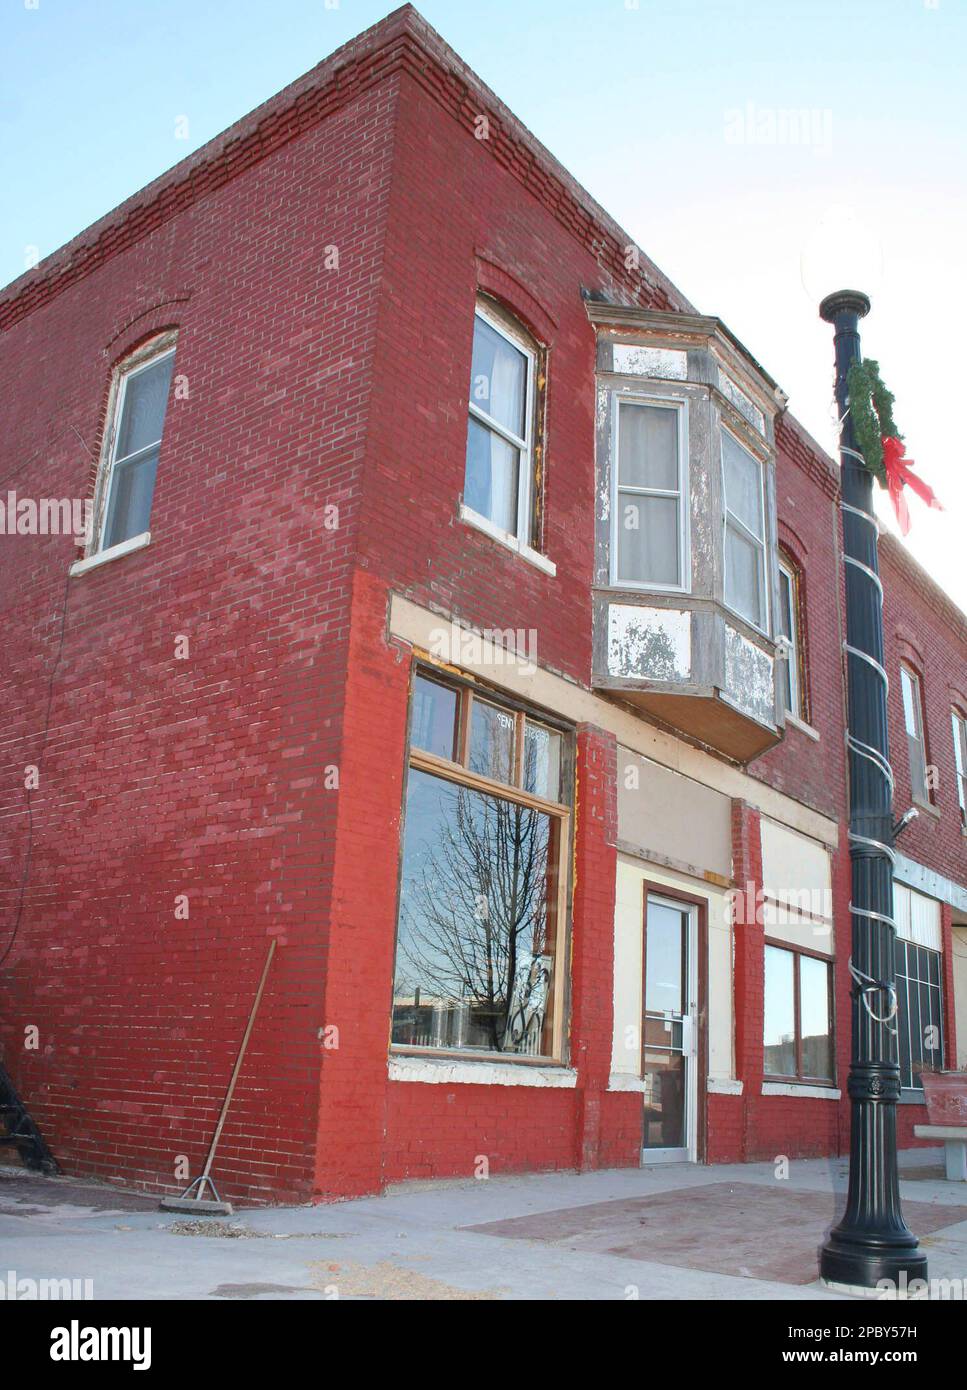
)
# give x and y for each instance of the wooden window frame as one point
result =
(561, 812)
(730, 519)
(503, 322)
(147, 355)
(958, 724)
(801, 1078)
(920, 711)
(797, 682)
(678, 404)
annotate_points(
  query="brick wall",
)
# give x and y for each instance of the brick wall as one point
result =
(213, 776)
(205, 776)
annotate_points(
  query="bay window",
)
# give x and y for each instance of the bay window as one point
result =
(480, 933)
(745, 533)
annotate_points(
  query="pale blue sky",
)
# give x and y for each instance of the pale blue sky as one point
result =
(670, 113)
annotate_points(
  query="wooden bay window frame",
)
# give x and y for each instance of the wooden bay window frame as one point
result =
(731, 521)
(681, 495)
(560, 813)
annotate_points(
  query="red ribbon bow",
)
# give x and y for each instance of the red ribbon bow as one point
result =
(898, 474)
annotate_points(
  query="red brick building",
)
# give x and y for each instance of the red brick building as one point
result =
(463, 610)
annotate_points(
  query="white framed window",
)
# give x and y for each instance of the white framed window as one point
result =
(132, 444)
(787, 626)
(650, 532)
(743, 487)
(960, 761)
(499, 477)
(916, 740)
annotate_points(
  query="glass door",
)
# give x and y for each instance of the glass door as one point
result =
(669, 1047)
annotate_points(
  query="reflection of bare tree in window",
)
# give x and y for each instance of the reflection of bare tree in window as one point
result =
(474, 917)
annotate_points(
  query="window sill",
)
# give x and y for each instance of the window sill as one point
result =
(625, 1081)
(800, 1088)
(533, 557)
(444, 1071)
(723, 1086)
(927, 806)
(802, 726)
(911, 1096)
(114, 552)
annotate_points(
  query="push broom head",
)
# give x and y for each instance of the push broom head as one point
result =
(196, 1206)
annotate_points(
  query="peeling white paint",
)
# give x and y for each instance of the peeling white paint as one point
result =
(649, 643)
(666, 363)
(442, 1071)
(723, 1086)
(626, 1081)
(743, 404)
(749, 677)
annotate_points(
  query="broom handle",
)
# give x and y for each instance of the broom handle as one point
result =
(238, 1062)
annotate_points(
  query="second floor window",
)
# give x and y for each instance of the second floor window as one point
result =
(134, 441)
(745, 533)
(499, 478)
(916, 740)
(787, 626)
(651, 523)
(960, 762)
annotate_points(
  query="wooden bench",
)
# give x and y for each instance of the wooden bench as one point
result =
(955, 1147)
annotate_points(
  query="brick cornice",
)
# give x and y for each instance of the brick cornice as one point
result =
(898, 558)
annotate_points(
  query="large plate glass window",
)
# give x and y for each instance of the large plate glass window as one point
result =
(745, 533)
(650, 530)
(919, 983)
(134, 443)
(500, 447)
(479, 951)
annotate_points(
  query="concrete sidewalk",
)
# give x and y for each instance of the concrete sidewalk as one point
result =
(669, 1232)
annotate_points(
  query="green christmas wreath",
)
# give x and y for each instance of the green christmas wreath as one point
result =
(871, 411)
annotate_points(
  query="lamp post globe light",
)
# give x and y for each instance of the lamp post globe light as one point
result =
(871, 1243)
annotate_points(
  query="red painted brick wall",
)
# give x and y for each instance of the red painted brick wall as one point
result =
(205, 776)
(310, 387)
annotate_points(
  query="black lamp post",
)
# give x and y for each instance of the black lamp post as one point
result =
(871, 1242)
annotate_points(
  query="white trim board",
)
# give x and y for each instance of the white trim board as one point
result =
(414, 624)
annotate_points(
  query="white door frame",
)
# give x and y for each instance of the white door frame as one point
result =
(690, 1029)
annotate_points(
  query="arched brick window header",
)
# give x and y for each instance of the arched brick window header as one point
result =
(515, 299)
